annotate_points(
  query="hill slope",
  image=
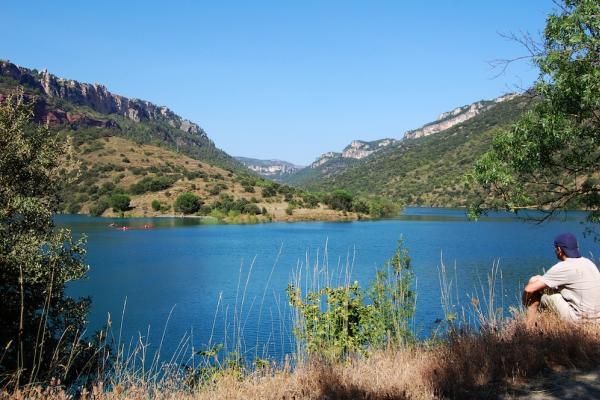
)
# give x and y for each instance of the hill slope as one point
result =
(89, 110)
(423, 169)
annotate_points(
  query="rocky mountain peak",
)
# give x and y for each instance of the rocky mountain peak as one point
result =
(273, 169)
(448, 119)
(97, 97)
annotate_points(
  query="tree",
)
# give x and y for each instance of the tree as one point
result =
(339, 200)
(120, 202)
(41, 326)
(550, 159)
(187, 203)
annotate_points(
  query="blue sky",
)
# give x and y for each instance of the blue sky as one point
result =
(281, 79)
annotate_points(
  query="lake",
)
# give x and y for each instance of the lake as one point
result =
(218, 283)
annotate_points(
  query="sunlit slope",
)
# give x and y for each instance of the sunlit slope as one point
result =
(425, 171)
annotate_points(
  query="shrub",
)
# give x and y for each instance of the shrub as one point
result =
(73, 208)
(382, 208)
(353, 319)
(120, 202)
(251, 209)
(187, 203)
(339, 200)
(310, 200)
(360, 206)
(152, 184)
(269, 191)
(156, 205)
(101, 205)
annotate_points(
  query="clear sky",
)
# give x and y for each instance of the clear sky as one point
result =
(281, 79)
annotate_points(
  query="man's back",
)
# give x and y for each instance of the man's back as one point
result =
(578, 281)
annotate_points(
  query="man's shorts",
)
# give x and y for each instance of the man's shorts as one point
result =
(558, 305)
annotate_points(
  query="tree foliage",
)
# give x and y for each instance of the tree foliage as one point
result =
(187, 203)
(550, 159)
(40, 325)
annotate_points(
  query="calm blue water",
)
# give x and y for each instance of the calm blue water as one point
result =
(194, 273)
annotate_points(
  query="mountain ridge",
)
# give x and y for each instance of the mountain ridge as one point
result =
(96, 96)
(76, 108)
(272, 168)
(331, 163)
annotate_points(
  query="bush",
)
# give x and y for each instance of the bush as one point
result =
(101, 205)
(120, 202)
(187, 203)
(155, 205)
(251, 209)
(269, 191)
(383, 208)
(353, 319)
(360, 206)
(339, 200)
(152, 184)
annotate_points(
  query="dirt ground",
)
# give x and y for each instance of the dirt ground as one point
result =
(572, 384)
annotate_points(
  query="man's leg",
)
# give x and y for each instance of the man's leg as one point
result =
(559, 306)
(531, 301)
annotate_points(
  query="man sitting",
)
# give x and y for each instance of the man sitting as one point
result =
(570, 289)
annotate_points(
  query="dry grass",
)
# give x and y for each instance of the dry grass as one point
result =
(115, 149)
(466, 365)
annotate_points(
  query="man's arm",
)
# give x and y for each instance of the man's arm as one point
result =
(535, 285)
(532, 292)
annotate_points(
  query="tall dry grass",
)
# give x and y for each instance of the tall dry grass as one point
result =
(481, 364)
(492, 357)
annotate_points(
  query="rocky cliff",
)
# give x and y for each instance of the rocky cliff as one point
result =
(272, 169)
(95, 96)
(457, 116)
(357, 150)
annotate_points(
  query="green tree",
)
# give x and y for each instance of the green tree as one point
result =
(339, 200)
(120, 202)
(156, 205)
(187, 203)
(550, 159)
(40, 325)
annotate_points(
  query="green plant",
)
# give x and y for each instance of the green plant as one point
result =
(393, 297)
(156, 205)
(153, 184)
(101, 205)
(336, 321)
(339, 200)
(187, 203)
(41, 324)
(120, 202)
(549, 160)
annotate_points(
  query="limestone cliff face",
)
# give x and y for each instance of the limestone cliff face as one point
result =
(459, 115)
(97, 97)
(272, 169)
(357, 150)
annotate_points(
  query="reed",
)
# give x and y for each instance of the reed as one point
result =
(480, 352)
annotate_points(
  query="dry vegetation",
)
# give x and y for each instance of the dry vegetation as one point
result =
(128, 162)
(482, 364)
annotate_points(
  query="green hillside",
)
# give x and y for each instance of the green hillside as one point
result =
(427, 171)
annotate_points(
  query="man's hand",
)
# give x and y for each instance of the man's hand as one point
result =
(535, 285)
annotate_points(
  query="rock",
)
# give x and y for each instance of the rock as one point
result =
(95, 96)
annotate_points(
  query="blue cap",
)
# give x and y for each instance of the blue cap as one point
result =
(568, 244)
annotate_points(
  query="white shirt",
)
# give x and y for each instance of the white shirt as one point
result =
(578, 281)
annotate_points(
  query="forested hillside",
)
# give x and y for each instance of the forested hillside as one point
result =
(423, 171)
